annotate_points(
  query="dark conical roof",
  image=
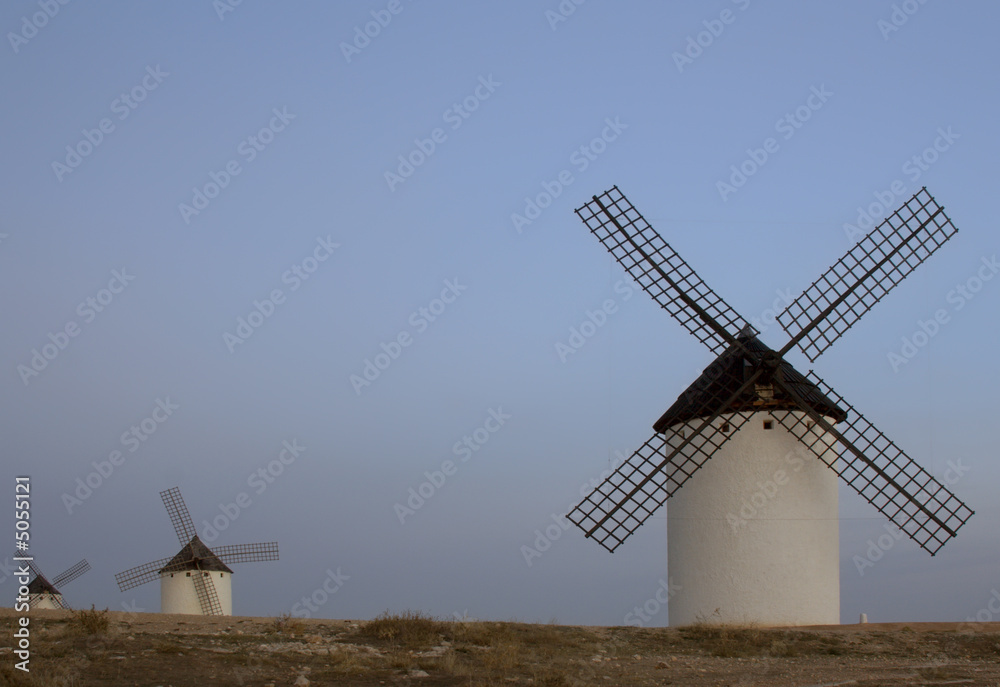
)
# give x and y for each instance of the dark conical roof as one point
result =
(40, 585)
(726, 375)
(195, 556)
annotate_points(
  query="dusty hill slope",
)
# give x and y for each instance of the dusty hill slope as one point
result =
(124, 649)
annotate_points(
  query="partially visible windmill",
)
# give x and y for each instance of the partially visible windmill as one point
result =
(778, 563)
(197, 580)
(45, 594)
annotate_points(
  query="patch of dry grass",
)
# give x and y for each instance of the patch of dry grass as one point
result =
(409, 629)
(92, 622)
(285, 624)
(735, 641)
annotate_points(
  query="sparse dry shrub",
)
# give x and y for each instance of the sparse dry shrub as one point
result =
(350, 662)
(287, 625)
(731, 641)
(411, 629)
(92, 622)
(480, 633)
(734, 641)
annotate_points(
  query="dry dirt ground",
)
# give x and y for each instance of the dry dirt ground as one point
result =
(125, 649)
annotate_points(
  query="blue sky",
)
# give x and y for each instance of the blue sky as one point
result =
(118, 115)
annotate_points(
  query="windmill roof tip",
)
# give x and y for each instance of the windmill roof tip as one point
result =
(727, 374)
(195, 556)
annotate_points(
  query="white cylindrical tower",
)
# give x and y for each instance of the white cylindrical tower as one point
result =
(179, 595)
(753, 536)
(45, 601)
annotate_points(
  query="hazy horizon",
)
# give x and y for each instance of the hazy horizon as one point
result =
(330, 284)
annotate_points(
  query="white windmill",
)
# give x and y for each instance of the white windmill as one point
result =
(43, 594)
(778, 439)
(197, 580)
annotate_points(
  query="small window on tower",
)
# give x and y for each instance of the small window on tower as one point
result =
(768, 424)
(188, 575)
(725, 428)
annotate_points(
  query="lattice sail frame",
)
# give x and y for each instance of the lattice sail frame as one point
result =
(208, 597)
(909, 496)
(141, 574)
(230, 554)
(627, 498)
(71, 574)
(180, 517)
(58, 581)
(642, 484)
(670, 281)
(247, 553)
(38, 599)
(204, 585)
(869, 271)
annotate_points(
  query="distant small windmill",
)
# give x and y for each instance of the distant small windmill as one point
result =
(44, 594)
(779, 563)
(196, 581)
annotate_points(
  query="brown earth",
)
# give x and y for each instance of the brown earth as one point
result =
(145, 649)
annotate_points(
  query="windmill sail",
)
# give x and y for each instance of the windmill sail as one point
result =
(195, 559)
(881, 473)
(660, 271)
(863, 277)
(748, 377)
